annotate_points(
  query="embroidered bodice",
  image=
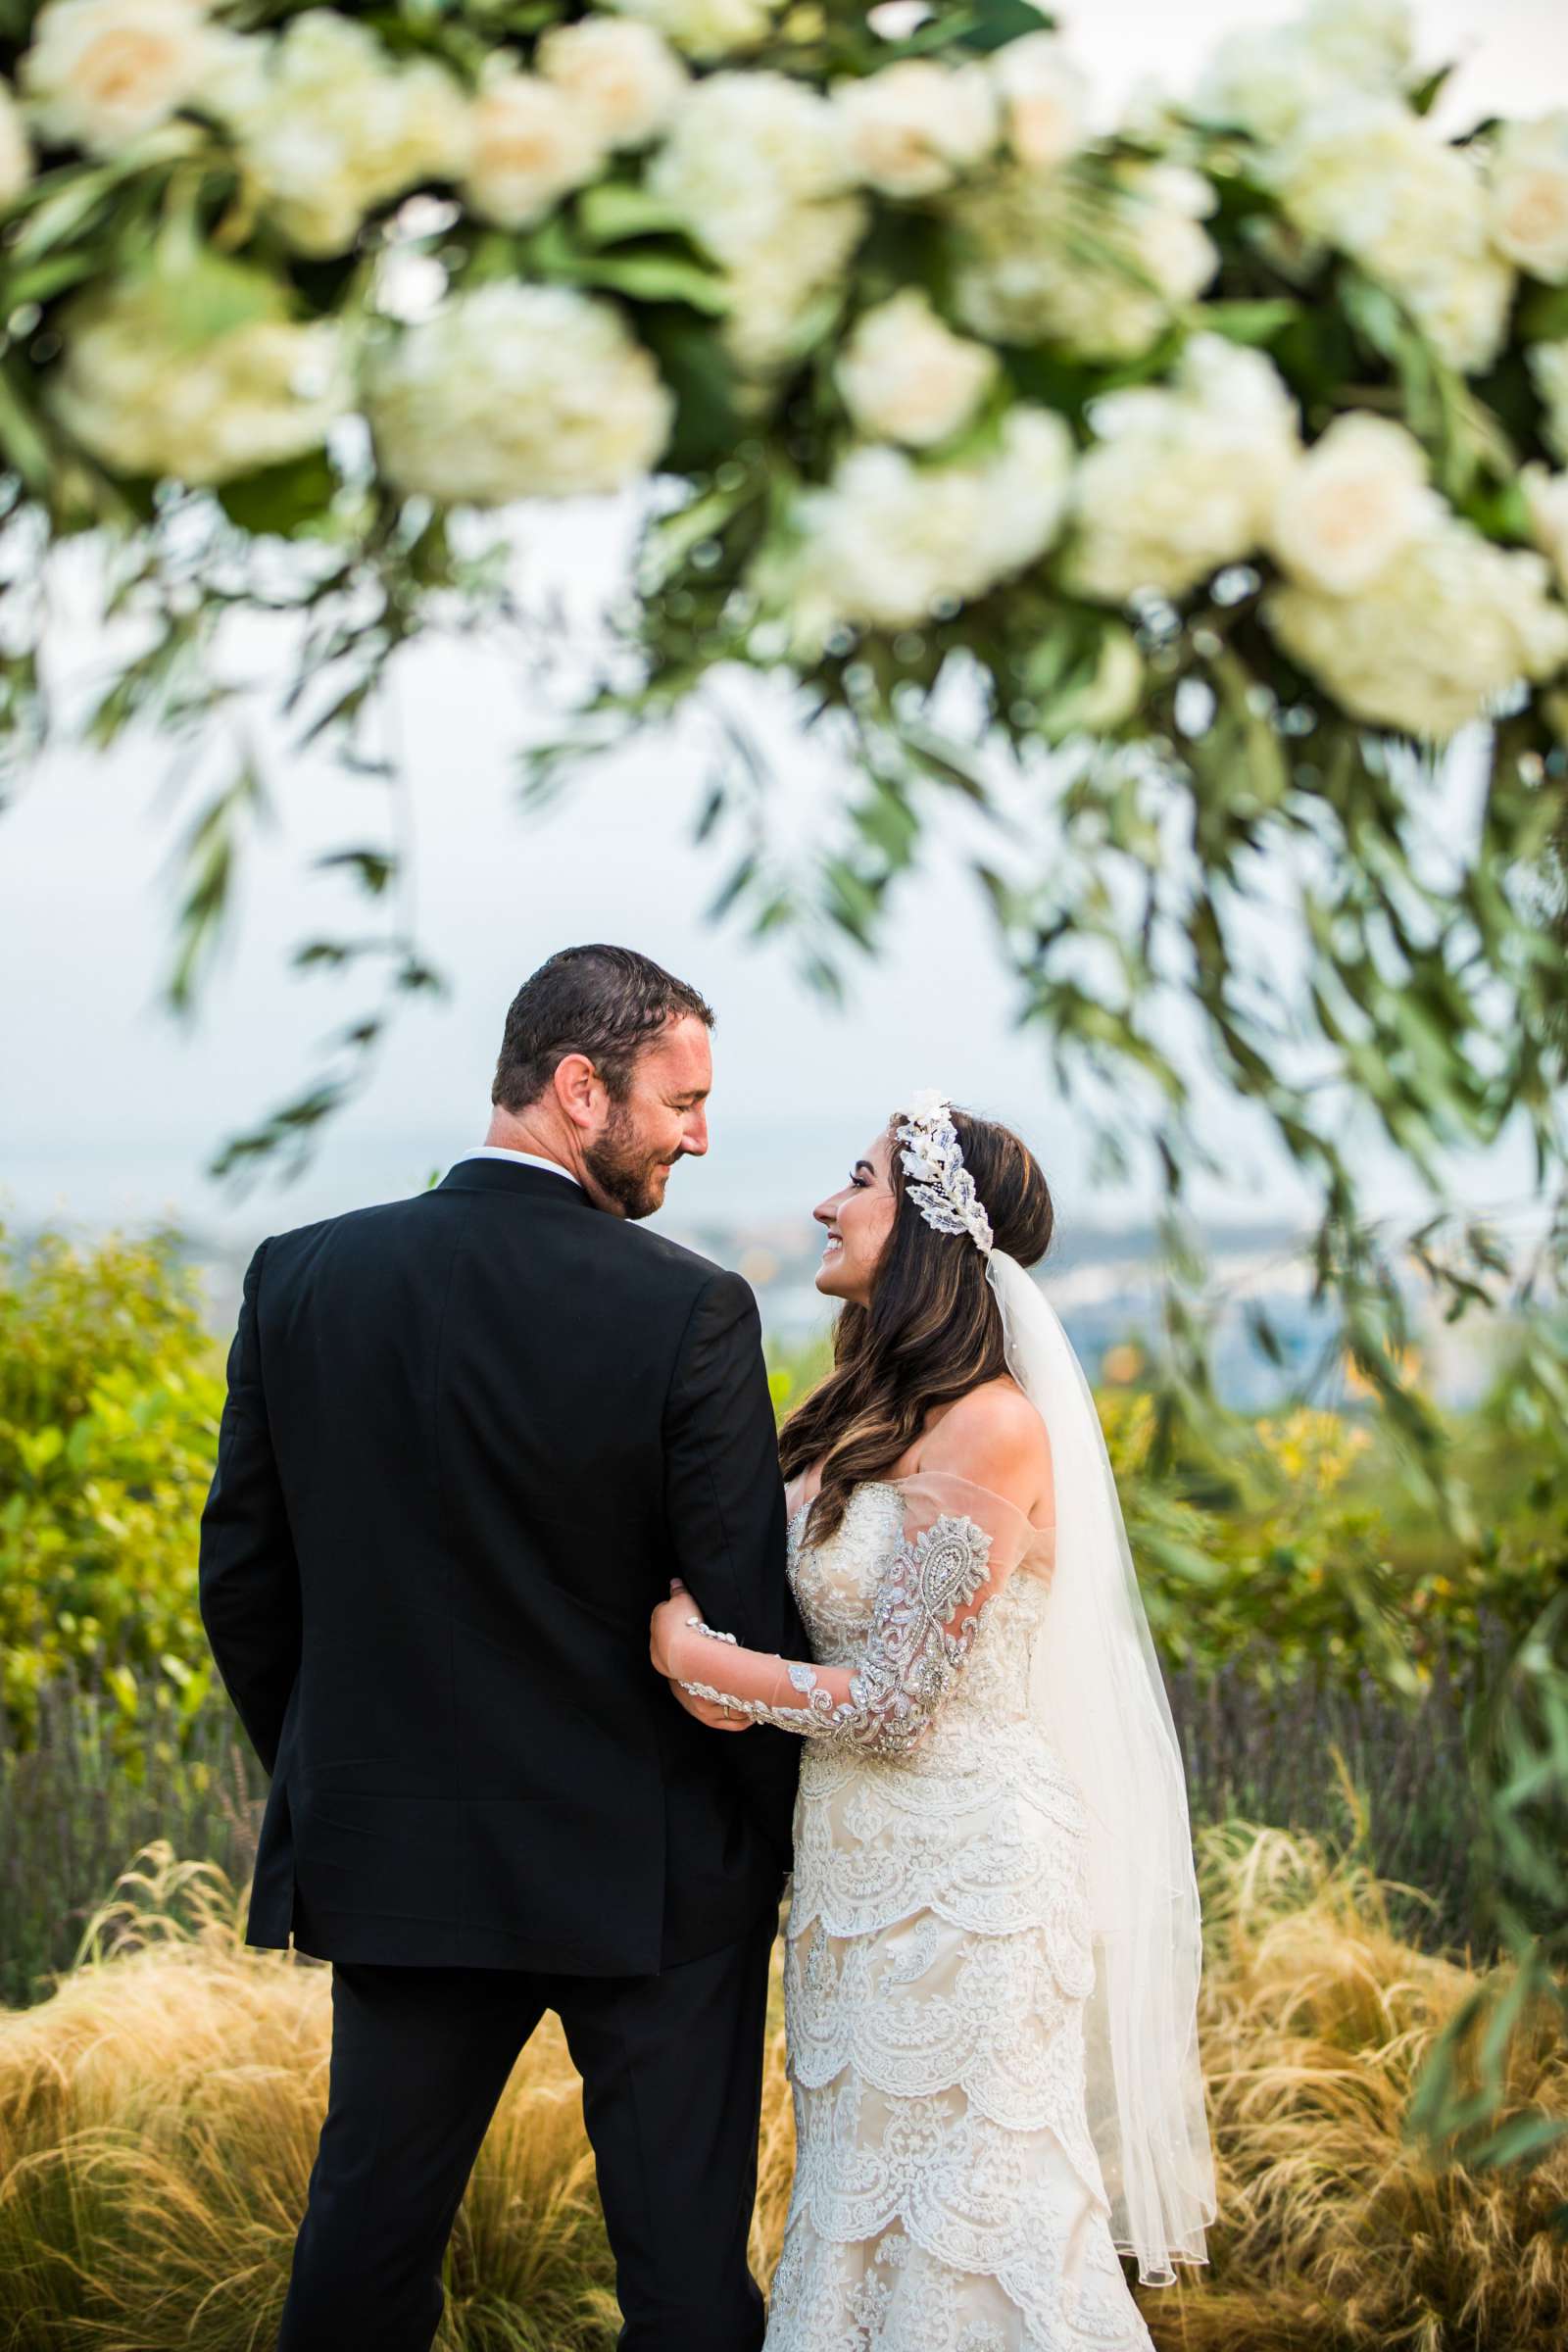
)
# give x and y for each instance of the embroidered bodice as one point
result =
(836, 1585)
(897, 1602)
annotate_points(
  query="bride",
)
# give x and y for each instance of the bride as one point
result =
(992, 1953)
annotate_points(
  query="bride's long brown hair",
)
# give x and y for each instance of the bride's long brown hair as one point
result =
(932, 1331)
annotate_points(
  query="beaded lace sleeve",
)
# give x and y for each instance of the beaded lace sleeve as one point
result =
(942, 1578)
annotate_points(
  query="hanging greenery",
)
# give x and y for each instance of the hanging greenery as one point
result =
(1203, 474)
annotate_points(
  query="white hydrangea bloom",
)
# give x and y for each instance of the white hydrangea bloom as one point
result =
(754, 166)
(1181, 479)
(146, 400)
(916, 127)
(1267, 79)
(704, 29)
(1377, 182)
(332, 125)
(16, 154)
(888, 541)
(623, 75)
(530, 144)
(101, 74)
(1044, 100)
(1023, 274)
(515, 391)
(907, 377)
(775, 288)
(1528, 196)
(1454, 621)
(1548, 364)
(1352, 505)
(744, 150)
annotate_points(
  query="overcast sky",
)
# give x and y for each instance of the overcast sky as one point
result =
(107, 1112)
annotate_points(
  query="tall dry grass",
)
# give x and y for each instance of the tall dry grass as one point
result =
(1334, 2234)
(159, 2115)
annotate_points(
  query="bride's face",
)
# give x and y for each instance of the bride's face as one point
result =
(858, 1218)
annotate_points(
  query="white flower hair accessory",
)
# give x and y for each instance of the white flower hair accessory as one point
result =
(943, 1190)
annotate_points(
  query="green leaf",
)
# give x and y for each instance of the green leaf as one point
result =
(656, 278)
(992, 23)
(1544, 314)
(693, 363)
(1424, 97)
(60, 212)
(1250, 322)
(374, 869)
(21, 443)
(282, 498)
(615, 210)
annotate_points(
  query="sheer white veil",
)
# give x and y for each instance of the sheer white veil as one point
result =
(1098, 1693)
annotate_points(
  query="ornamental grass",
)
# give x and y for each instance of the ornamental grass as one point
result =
(159, 2113)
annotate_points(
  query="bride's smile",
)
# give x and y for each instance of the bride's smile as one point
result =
(859, 1217)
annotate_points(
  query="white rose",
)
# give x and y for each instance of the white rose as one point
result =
(704, 29)
(1375, 180)
(1044, 100)
(907, 377)
(744, 152)
(1547, 499)
(916, 127)
(777, 287)
(146, 399)
(1022, 274)
(1369, 43)
(1267, 80)
(1028, 484)
(530, 144)
(1355, 500)
(624, 77)
(1452, 623)
(1181, 479)
(1548, 364)
(1529, 196)
(1260, 82)
(516, 391)
(888, 542)
(101, 74)
(332, 127)
(16, 155)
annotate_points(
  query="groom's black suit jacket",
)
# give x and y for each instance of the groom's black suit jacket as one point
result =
(469, 1439)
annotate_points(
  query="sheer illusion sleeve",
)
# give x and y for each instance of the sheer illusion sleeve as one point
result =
(947, 1562)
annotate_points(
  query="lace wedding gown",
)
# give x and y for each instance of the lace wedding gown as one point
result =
(947, 2196)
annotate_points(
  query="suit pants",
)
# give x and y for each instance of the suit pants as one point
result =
(672, 2080)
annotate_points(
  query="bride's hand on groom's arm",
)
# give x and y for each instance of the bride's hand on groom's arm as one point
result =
(706, 1712)
(667, 1617)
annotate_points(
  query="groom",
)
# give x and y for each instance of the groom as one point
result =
(470, 1439)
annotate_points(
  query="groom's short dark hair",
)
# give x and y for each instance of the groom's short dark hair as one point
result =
(608, 1003)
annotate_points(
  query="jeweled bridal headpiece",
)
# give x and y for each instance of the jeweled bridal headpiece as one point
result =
(945, 1191)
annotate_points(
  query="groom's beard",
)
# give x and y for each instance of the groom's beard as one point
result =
(626, 1170)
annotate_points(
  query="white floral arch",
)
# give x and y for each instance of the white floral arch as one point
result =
(1222, 453)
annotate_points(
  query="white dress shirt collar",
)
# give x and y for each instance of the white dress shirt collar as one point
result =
(529, 1160)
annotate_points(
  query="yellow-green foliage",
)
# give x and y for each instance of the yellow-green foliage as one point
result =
(1295, 1541)
(110, 1392)
(159, 2113)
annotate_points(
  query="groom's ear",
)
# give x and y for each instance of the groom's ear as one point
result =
(580, 1091)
